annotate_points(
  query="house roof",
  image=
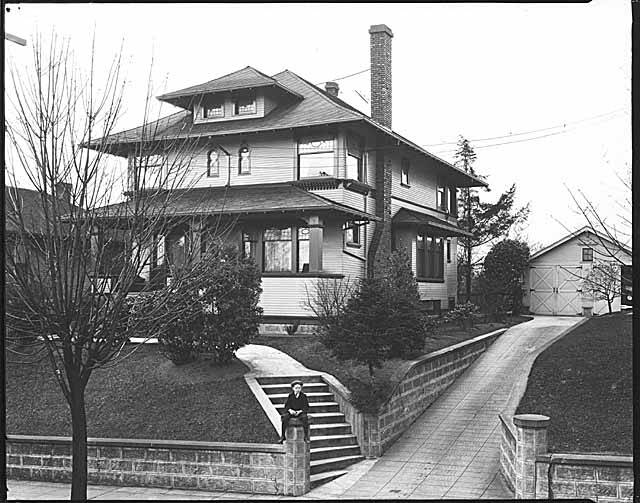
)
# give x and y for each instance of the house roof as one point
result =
(317, 108)
(246, 78)
(414, 218)
(575, 234)
(275, 198)
(30, 203)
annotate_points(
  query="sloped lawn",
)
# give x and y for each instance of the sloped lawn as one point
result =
(583, 383)
(309, 351)
(144, 396)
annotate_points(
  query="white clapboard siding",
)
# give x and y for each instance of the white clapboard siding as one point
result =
(286, 296)
(422, 181)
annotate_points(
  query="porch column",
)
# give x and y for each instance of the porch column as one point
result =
(316, 236)
(196, 237)
(95, 245)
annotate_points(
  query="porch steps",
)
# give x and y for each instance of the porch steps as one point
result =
(333, 444)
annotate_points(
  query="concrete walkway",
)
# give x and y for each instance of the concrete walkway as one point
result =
(265, 361)
(452, 450)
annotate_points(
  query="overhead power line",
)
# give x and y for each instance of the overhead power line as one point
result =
(345, 77)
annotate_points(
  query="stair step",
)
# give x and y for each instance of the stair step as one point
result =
(322, 478)
(286, 388)
(330, 429)
(287, 379)
(325, 465)
(312, 397)
(336, 451)
(315, 407)
(326, 417)
(318, 441)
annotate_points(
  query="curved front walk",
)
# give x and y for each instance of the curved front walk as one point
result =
(452, 450)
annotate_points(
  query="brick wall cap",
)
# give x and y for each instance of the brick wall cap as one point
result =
(153, 444)
(380, 28)
(531, 420)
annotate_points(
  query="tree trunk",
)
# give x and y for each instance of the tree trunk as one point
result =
(79, 443)
(609, 303)
(468, 271)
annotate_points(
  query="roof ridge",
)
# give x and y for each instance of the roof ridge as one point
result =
(319, 91)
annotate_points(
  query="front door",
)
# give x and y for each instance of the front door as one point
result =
(556, 290)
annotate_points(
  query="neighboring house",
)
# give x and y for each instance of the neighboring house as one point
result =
(21, 238)
(554, 283)
(313, 187)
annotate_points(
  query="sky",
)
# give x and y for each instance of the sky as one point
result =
(543, 91)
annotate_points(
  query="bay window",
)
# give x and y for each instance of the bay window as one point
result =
(316, 158)
(429, 257)
(354, 160)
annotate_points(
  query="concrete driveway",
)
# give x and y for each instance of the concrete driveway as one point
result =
(452, 450)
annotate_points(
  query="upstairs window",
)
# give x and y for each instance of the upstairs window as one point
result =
(213, 163)
(441, 198)
(213, 110)
(316, 158)
(404, 172)
(244, 105)
(587, 254)
(244, 160)
(354, 160)
(453, 201)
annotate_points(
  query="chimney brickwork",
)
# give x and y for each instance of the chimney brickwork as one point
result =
(332, 88)
(380, 40)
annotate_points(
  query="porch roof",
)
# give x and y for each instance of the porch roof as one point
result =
(236, 200)
(413, 218)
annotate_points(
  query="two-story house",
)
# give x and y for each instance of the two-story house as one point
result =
(313, 188)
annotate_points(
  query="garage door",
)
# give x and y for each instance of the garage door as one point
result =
(556, 290)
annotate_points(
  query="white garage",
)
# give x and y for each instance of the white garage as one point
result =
(554, 283)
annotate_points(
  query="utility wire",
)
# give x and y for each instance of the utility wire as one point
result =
(345, 77)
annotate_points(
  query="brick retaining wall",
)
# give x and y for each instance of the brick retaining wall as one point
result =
(531, 472)
(212, 466)
(424, 381)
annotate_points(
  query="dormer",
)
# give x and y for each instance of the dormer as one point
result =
(245, 94)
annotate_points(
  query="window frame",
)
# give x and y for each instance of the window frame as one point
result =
(208, 106)
(353, 243)
(255, 236)
(210, 173)
(589, 256)
(405, 167)
(321, 152)
(244, 168)
(453, 201)
(430, 258)
(441, 198)
(448, 245)
(236, 105)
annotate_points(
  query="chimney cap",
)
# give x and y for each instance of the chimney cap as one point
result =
(332, 88)
(380, 28)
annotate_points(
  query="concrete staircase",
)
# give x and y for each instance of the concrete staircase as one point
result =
(333, 445)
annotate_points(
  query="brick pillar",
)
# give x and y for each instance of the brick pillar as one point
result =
(297, 461)
(380, 48)
(531, 441)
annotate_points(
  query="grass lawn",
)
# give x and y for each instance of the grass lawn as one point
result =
(144, 396)
(309, 351)
(583, 383)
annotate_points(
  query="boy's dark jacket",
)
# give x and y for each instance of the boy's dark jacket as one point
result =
(300, 403)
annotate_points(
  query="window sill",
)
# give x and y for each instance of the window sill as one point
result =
(351, 244)
(430, 280)
(285, 274)
(244, 174)
(405, 185)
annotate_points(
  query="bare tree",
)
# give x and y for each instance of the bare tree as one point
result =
(603, 281)
(82, 253)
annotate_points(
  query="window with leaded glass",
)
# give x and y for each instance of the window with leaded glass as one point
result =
(316, 158)
(244, 105)
(303, 249)
(244, 160)
(213, 162)
(214, 110)
(276, 250)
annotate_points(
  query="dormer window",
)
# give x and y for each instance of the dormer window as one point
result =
(244, 160)
(214, 110)
(244, 105)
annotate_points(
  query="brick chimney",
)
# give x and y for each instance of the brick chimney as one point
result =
(380, 40)
(332, 88)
